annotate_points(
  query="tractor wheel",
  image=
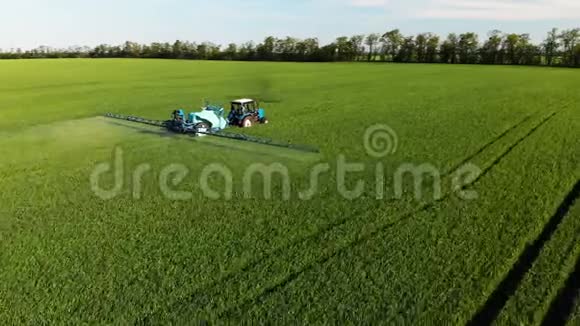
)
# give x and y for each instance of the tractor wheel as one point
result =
(264, 121)
(247, 122)
(203, 127)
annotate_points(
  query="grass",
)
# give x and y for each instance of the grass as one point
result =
(66, 255)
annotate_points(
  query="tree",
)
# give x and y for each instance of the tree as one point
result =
(300, 51)
(491, 50)
(421, 47)
(189, 50)
(326, 53)
(371, 41)
(406, 50)
(131, 49)
(154, 50)
(551, 46)
(311, 47)
(100, 51)
(231, 52)
(559, 48)
(265, 51)
(509, 46)
(467, 48)
(570, 38)
(356, 45)
(526, 53)
(577, 56)
(432, 46)
(247, 51)
(178, 50)
(202, 51)
(392, 41)
(213, 51)
(343, 48)
(306, 49)
(449, 49)
(287, 48)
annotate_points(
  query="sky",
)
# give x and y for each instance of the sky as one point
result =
(61, 23)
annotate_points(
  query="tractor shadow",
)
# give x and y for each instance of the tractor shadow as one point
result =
(143, 130)
(562, 306)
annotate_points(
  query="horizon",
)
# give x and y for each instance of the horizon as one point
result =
(66, 23)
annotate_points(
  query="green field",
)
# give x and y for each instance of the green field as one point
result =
(67, 255)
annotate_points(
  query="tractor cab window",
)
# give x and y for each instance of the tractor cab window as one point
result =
(251, 106)
(237, 107)
(243, 108)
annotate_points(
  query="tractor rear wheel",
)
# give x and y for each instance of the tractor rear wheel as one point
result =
(247, 122)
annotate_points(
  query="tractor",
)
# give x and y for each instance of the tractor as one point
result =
(210, 121)
(245, 113)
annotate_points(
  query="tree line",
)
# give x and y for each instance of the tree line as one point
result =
(559, 48)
